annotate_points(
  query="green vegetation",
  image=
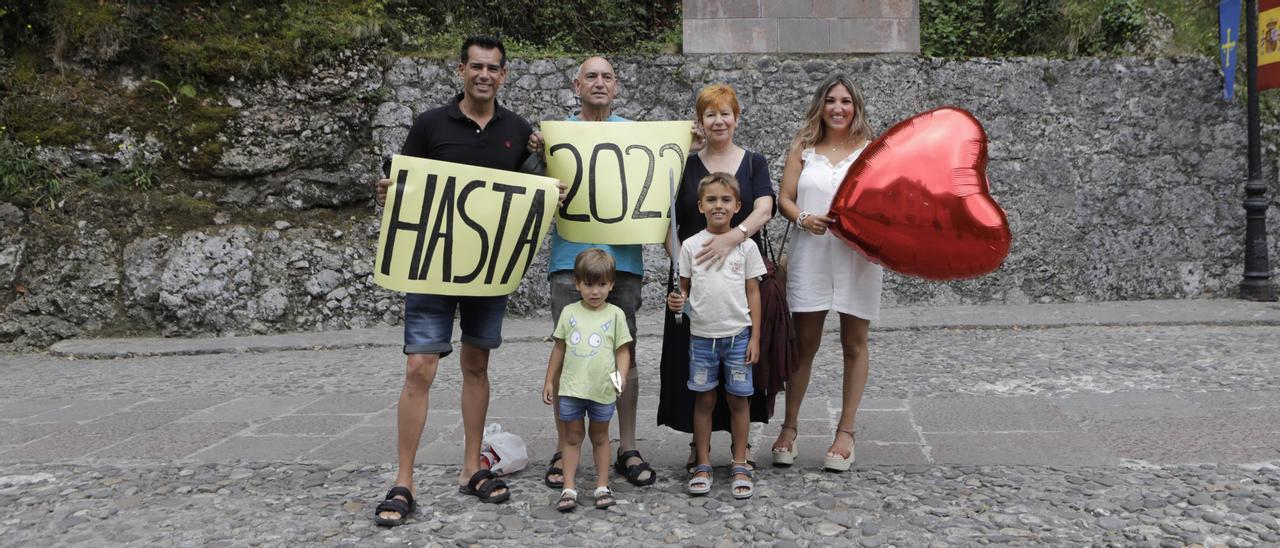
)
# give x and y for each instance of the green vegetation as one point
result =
(74, 72)
(196, 41)
(1067, 28)
(200, 43)
(25, 178)
(62, 61)
(29, 180)
(203, 43)
(536, 28)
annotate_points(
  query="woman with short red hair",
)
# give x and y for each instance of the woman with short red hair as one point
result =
(717, 112)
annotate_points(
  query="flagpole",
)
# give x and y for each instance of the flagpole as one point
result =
(1256, 285)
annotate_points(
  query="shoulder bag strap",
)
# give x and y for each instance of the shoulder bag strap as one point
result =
(764, 229)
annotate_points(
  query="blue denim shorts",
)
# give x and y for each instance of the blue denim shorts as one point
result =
(707, 355)
(428, 322)
(572, 409)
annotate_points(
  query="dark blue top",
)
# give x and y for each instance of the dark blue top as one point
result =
(753, 182)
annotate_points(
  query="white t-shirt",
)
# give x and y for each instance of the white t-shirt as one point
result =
(718, 297)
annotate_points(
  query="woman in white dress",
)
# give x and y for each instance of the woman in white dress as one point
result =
(823, 273)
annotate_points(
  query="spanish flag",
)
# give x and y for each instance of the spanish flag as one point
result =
(1268, 44)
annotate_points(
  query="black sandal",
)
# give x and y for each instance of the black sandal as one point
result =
(393, 504)
(553, 471)
(634, 471)
(692, 463)
(485, 492)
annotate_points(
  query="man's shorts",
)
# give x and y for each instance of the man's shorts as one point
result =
(707, 355)
(428, 322)
(573, 409)
(625, 295)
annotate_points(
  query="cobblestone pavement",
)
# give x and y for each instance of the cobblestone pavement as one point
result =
(1132, 433)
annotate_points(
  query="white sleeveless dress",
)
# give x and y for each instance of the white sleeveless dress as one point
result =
(823, 272)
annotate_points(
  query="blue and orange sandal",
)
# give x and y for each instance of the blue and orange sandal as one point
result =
(403, 507)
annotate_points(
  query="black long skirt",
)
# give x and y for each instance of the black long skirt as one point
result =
(675, 400)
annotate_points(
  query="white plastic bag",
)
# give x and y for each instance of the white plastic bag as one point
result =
(513, 455)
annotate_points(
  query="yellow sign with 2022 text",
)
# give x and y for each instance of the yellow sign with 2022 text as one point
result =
(620, 176)
(454, 229)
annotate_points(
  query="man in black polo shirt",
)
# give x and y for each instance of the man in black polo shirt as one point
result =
(471, 129)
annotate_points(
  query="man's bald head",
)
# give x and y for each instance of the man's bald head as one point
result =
(594, 64)
(596, 85)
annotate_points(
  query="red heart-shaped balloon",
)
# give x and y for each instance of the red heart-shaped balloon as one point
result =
(917, 200)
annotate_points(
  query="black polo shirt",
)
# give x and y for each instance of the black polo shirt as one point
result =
(445, 133)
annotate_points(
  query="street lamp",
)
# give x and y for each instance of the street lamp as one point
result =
(1256, 285)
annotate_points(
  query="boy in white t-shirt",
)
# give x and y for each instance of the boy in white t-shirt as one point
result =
(591, 343)
(724, 314)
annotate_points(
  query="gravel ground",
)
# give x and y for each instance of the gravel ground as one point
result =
(94, 501)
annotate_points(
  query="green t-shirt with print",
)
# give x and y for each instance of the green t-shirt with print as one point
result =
(591, 339)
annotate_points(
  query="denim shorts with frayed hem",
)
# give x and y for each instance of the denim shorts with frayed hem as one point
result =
(573, 409)
(428, 322)
(707, 355)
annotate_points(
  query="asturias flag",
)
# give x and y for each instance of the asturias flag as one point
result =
(1268, 44)
(1228, 37)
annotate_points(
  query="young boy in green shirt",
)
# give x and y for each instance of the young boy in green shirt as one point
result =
(591, 344)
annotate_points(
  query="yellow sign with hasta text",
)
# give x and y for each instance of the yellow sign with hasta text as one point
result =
(619, 176)
(454, 229)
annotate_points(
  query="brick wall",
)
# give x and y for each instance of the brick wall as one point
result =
(801, 26)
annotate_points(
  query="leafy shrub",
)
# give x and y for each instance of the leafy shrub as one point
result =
(211, 41)
(31, 181)
(986, 28)
(562, 26)
(1001, 28)
(25, 178)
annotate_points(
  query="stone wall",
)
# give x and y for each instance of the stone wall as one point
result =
(1122, 179)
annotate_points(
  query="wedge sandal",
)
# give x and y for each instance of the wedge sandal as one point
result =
(784, 457)
(836, 463)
